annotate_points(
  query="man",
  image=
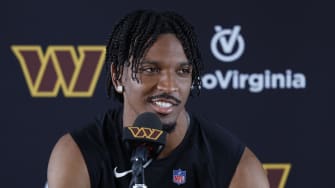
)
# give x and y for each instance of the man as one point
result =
(154, 63)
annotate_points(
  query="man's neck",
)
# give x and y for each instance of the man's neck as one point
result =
(175, 138)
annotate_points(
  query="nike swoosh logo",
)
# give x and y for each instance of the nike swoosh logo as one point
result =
(121, 174)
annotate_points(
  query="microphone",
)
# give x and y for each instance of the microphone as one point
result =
(146, 139)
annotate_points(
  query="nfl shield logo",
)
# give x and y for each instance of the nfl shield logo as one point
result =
(179, 176)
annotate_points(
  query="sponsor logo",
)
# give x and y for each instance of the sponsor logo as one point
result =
(179, 176)
(277, 174)
(60, 67)
(144, 132)
(253, 82)
(227, 44)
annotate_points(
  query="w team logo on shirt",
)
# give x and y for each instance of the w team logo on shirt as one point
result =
(179, 176)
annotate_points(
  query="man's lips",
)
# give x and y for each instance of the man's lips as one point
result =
(163, 103)
(163, 99)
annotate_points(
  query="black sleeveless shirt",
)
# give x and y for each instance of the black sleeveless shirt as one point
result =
(207, 157)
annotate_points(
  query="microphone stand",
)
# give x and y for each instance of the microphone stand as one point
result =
(140, 156)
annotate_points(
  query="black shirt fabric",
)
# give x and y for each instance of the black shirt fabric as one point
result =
(207, 157)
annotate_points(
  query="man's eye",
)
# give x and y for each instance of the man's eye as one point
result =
(149, 69)
(184, 71)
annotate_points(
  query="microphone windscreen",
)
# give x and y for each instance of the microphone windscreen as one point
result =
(147, 128)
(148, 119)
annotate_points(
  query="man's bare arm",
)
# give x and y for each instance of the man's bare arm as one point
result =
(67, 167)
(249, 173)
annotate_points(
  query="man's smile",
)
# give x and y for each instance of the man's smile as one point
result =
(164, 103)
(164, 98)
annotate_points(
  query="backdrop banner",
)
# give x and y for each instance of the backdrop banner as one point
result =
(268, 79)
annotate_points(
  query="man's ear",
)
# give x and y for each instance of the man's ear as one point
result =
(116, 83)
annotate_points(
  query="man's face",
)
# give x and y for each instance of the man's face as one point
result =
(165, 77)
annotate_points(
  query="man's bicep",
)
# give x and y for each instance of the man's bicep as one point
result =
(67, 167)
(249, 173)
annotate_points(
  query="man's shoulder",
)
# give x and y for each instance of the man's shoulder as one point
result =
(219, 143)
(215, 132)
(66, 165)
(223, 149)
(249, 172)
(103, 123)
(97, 142)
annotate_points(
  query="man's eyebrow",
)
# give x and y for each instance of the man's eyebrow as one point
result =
(186, 63)
(156, 62)
(148, 62)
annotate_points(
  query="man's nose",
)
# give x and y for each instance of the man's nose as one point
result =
(167, 82)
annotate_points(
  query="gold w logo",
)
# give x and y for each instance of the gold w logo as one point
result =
(144, 132)
(277, 173)
(60, 67)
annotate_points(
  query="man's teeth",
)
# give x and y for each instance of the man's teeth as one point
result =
(163, 104)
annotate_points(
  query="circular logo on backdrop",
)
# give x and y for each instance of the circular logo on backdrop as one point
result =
(227, 44)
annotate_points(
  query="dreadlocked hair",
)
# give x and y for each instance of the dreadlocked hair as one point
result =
(134, 34)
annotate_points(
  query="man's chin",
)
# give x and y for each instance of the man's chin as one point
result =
(169, 127)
